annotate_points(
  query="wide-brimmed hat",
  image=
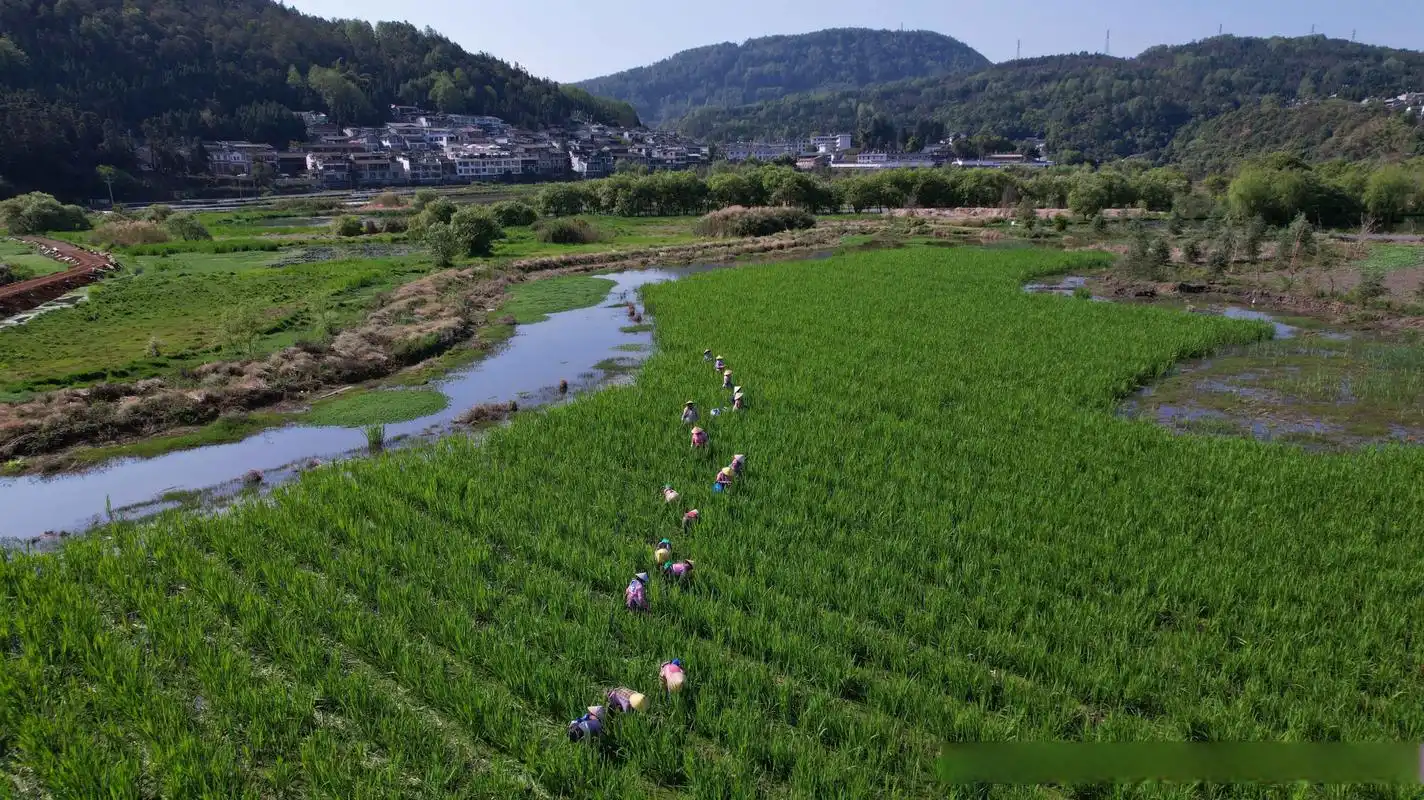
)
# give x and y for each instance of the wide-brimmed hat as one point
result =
(641, 577)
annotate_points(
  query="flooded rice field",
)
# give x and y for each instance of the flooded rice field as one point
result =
(1311, 385)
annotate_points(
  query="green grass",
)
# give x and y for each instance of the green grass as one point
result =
(223, 431)
(533, 301)
(363, 408)
(643, 328)
(27, 261)
(180, 302)
(967, 546)
(1390, 257)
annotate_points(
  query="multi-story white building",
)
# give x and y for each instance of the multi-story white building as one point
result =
(421, 169)
(485, 163)
(831, 143)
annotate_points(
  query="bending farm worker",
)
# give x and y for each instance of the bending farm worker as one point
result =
(727, 379)
(635, 597)
(672, 675)
(689, 413)
(689, 519)
(589, 726)
(699, 437)
(738, 399)
(724, 480)
(663, 553)
(719, 364)
(739, 464)
(626, 700)
(679, 571)
(706, 355)
(669, 494)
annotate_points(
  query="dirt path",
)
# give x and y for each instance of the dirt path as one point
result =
(86, 266)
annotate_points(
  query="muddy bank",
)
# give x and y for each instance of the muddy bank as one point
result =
(416, 322)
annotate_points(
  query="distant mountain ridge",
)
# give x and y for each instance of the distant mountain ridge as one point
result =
(771, 67)
(1100, 107)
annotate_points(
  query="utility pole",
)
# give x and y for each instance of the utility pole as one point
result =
(1107, 43)
(1218, 28)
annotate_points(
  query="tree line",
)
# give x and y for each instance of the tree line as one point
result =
(1277, 189)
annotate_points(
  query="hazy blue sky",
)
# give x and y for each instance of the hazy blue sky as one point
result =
(569, 40)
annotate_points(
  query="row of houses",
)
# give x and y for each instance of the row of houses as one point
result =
(419, 147)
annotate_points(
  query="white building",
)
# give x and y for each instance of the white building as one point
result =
(831, 143)
(485, 163)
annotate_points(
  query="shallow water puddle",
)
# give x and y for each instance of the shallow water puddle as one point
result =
(1319, 388)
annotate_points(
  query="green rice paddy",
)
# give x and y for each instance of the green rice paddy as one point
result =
(944, 534)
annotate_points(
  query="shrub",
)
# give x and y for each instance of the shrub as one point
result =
(438, 210)
(346, 226)
(477, 230)
(1100, 223)
(395, 224)
(158, 213)
(1371, 285)
(370, 227)
(755, 221)
(567, 230)
(514, 213)
(186, 227)
(1060, 223)
(443, 244)
(1191, 251)
(389, 200)
(37, 212)
(127, 233)
(423, 198)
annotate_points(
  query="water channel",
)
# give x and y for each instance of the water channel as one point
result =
(566, 346)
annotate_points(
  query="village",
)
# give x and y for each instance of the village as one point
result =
(422, 148)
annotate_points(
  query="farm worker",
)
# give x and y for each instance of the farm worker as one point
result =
(706, 355)
(699, 437)
(689, 412)
(679, 571)
(739, 464)
(719, 364)
(635, 597)
(669, 494)
(724, 480)
(626, 700)
(672, 675)
(663, 553)
(727, 379)
(689, 519)
(738, 403)
(588, 726)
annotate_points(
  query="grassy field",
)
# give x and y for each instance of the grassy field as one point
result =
(533, 302)
(26, 262)
(181, 304)
(376, 407)
(944, 534)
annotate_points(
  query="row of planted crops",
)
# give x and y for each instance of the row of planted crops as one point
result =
(947, 535)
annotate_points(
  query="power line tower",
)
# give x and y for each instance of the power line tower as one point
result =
(1018, 49)
(1107, 43)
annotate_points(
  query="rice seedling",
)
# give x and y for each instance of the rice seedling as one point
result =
(375, 438)
(945, 534)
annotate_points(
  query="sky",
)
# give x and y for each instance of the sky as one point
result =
(571, 40)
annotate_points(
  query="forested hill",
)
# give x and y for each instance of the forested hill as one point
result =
(1095, 105)
(771, 67)
(77, 75)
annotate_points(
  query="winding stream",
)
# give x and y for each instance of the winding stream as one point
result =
(566, 346)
